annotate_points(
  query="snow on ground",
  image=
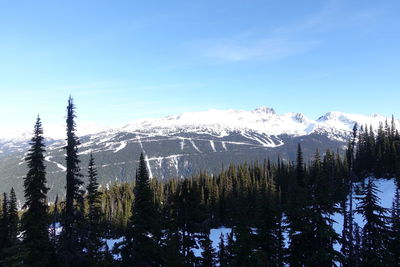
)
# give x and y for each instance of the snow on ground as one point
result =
(224, 146)
(262, 120)
(121, 146)
(111, 242)
(212, 145)
(216, 233)
(386, 189)
(214, 236)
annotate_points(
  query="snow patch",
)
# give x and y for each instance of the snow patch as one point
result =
(213, 145)
(224, 146)
(48, 159)
(194, 145)
(121, 146)
(145, 157)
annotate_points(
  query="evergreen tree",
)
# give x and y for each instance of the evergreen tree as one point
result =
(208, 254)
(297, 219)
(269, 229)
(141, 247)
(243, 246)
(348, 233)
(71, 249)
(94, 244)
(375, 231)
(190, 216)
(230, 248)
(12, 255)
(222, 252)
(394, 243)
(4, 227)
(13, 218)
(35, 220)
(55, 222)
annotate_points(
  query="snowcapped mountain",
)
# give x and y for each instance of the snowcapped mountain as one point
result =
(181, 145)
(262, 120)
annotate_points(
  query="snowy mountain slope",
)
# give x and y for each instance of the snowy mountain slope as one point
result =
(181, 145)
(219, 123)
(262, 120)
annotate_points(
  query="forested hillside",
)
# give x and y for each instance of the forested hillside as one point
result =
(280, 212)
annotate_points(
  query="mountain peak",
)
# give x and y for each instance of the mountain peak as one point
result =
(264, 110)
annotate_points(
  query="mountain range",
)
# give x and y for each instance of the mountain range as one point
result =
(184, 144)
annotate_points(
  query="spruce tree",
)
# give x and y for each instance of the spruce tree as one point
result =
(55, 222)
(222, 252)
(141, 246)
(348, 233)
(297, 217)
(12, 254)
(94, 243)
(375, 231)
(4, 227)
(208, 255)
(394, 243)
(268, 231)
(71, 249)
(35, 220)
(13, 218)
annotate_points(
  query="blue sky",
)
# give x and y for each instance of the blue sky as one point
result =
(123, 60)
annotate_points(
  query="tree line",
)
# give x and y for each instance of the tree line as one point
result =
(280, 213)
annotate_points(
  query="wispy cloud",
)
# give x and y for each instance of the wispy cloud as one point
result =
(288, 40)
(266, 49)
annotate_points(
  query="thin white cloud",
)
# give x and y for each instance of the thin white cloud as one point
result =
(257, 49)
(287, 40)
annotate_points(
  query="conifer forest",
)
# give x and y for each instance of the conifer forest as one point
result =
(276, 213)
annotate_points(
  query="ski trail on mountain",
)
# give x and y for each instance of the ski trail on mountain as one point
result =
(224, 146)
(121, 146)
(57, 164)
(145, 157)
(182, 143)
(212, 145)
(194, 146)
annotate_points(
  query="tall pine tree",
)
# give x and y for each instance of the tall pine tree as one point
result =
(71, 252)
(141, 247)
(394, 243)
(375, 231)
(94, 243)
(35, 220)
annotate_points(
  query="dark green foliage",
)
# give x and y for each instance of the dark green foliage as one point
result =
(208, 254)
(141, 247)
(394, 242)
(35, 220)
(375, 232)
(269, 239)
(94, 244)
(378, 155)
(12, 255)
(310, 227)
(4, 226)
(71, 247)
(222, 252)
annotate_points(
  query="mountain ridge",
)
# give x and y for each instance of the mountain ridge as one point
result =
(183, 144)
(230, 118)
